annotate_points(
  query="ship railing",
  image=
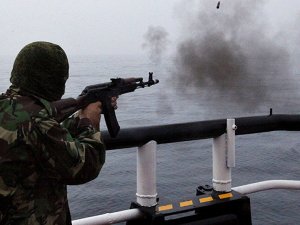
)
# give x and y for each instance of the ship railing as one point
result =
(222, 131)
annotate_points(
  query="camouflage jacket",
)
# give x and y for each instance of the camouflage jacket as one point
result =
(39, 157)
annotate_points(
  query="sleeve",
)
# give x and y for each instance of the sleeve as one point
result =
(72, 159)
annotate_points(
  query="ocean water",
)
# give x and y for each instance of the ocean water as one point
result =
(181, 167)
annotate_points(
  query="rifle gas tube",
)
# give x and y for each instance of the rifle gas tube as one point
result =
(101, 92)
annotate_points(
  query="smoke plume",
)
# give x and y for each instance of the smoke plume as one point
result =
(156, 41)
(226, 52)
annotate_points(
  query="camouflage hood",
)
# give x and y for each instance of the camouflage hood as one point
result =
(41, 69)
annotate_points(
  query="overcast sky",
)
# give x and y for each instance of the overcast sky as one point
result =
(112, 26)
(83, 26)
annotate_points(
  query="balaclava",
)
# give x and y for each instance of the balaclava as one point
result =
(41, 69)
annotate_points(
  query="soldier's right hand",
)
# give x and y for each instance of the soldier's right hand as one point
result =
(93, 113)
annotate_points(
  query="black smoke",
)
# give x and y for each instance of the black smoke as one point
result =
(229, 52)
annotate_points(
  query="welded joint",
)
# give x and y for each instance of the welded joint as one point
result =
(147, 200)
(222, 185)
(146, 196)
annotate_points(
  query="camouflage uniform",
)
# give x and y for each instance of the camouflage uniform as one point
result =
(39, 157)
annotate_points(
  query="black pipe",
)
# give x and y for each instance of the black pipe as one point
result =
(132, 137)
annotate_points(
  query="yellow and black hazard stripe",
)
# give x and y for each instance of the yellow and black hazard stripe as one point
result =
(195, 202)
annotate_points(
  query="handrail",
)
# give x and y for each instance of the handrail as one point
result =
(110, 218)
(162, 134)
(267, 185)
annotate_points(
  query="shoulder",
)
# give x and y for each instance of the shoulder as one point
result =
(16, 110)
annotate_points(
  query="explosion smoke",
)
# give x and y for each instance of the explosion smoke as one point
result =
(227, 51)
(155, 42)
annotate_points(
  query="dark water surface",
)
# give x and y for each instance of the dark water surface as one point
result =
(181, 167)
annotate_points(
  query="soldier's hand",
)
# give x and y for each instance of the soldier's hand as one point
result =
(93, 113)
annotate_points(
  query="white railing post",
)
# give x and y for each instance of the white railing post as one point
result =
(224, 158)
(146, 175)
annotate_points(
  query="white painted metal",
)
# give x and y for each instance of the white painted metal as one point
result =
(267, 185)
(231, 127)
(146, 174)
(224, 158)
(110, 218)
(221, 172)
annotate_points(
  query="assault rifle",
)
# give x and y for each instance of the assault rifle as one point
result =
(101, 92)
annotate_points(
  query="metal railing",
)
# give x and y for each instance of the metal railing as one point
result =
(223, 133)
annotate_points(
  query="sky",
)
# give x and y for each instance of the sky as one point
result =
(84, 27)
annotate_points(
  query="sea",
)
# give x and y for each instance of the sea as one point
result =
(182, 167)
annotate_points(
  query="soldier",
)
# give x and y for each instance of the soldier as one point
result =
(39, 156)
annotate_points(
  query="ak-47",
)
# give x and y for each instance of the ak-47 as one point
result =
(101, 92)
